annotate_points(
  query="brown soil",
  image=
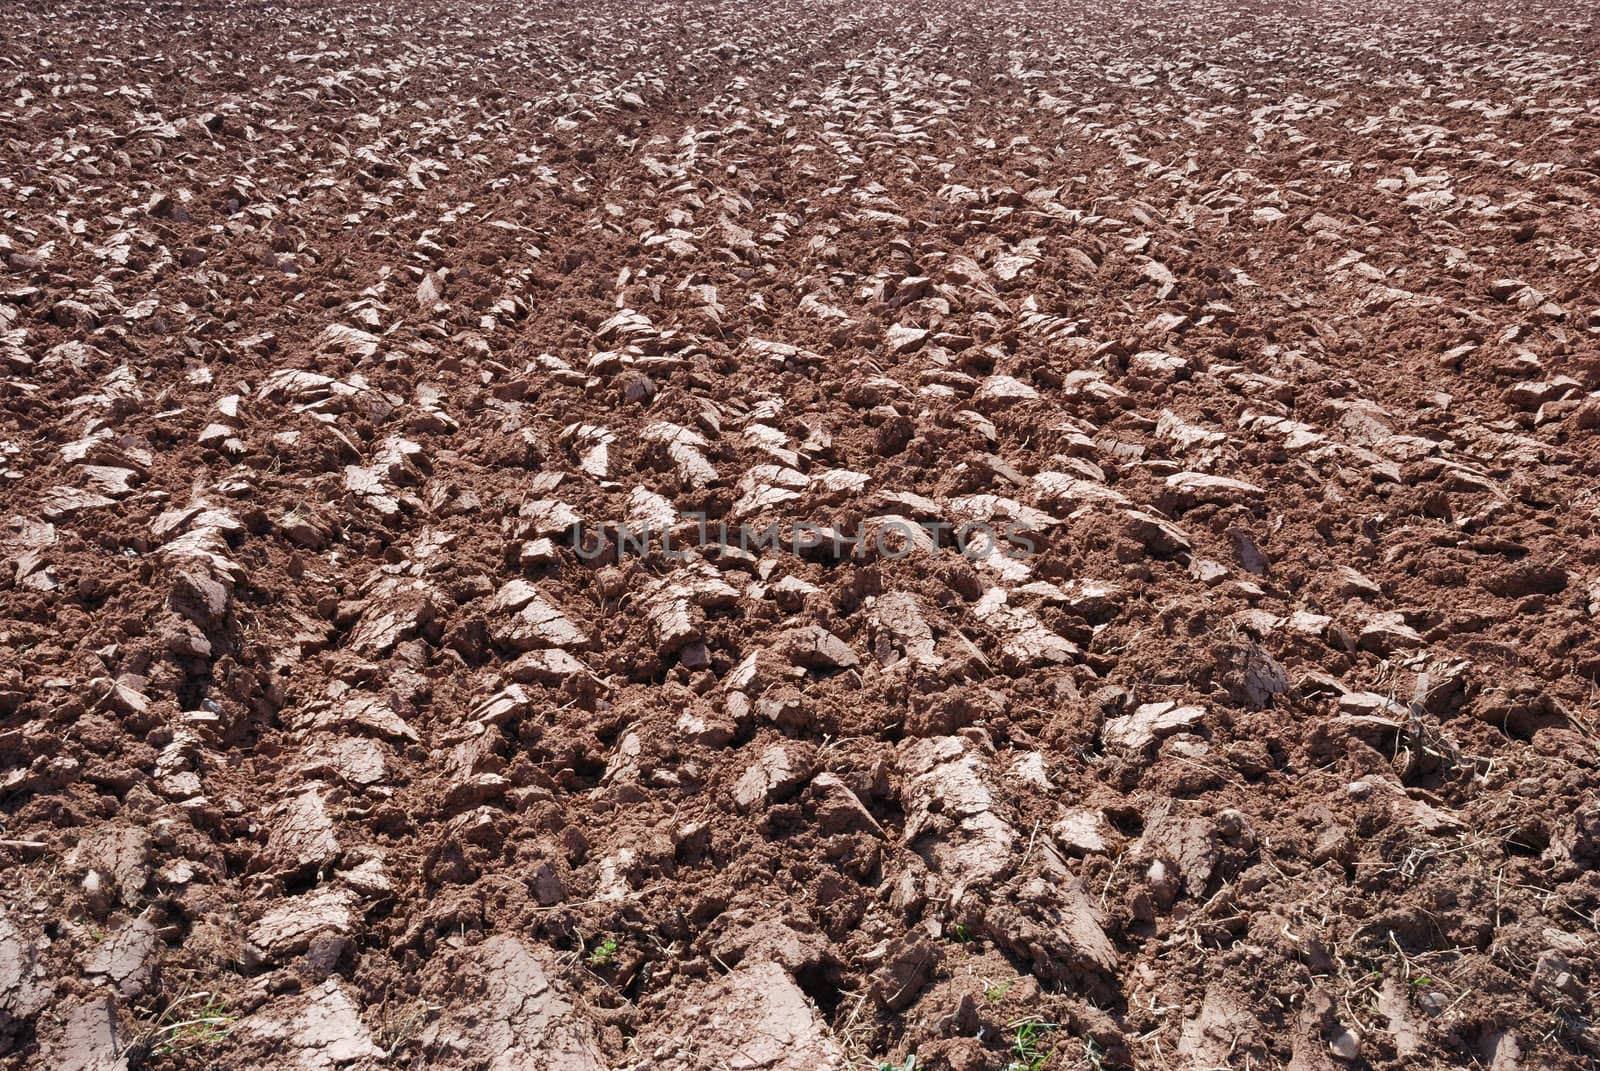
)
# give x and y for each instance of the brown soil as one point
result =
(1276, 325)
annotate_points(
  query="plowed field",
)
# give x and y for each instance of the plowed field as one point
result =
(799, 536)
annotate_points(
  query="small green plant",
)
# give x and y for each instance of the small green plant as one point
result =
(206, 1025)
(960, 933)
(1032, 1036)
(604, 953)
(997, 992)
(909, 1065)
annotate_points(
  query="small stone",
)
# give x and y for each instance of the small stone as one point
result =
(1345, 1044)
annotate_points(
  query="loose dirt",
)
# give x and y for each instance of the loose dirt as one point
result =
(339, 729)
